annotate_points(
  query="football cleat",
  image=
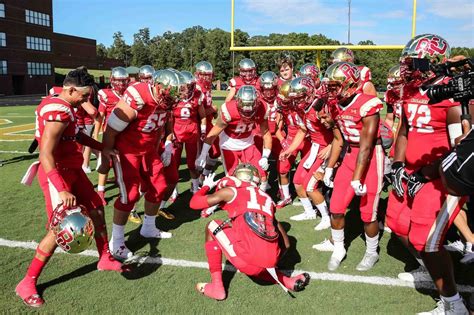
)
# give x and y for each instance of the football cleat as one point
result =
(211, 290)
(324, 224)
(299, 282)
(304, 216)
(165, 214)
(324, 246)
(134, 217)
(457, 246)
(120, 251)
(448, 308)
(336, 259)
(154, 232)
(108, 263)
(368, 261)
(418, 275)
(283, 203)
(26, 290)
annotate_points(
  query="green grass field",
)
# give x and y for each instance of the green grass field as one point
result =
(71, 283)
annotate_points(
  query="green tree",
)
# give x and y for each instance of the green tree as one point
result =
(119, 49)
(140, 49)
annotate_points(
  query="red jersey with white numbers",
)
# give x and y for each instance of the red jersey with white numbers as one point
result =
(186, 118)
(141, 135)
(428, 137)
(238, 82)
(392, 98)
(108, 98)
(272, 108)
(82, 117)
(293, 122)
(250, 247)
(349, 118)
(68, 153)
(317, 132)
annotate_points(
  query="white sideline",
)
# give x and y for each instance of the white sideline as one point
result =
(17, 152)
(324, 276)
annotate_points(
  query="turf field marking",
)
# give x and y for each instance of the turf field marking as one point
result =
(17, 152)
(323, 276)
(9, 133)
(4, 121)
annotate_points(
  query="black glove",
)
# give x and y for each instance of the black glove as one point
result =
(398, 175)
(415, 182)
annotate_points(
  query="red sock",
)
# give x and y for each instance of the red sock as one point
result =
(37, 265)
(102, 243)
(214, 257)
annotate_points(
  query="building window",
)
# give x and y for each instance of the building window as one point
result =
(37, 43)
(38, 68)
(3, 67)
(3, 40)
(34, 17)
(2, 10)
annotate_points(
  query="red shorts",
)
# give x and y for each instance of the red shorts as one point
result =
(134, 169)
(233, 158)
(186, 132)
(304, 177)
(373, 178)
(191, 153)
(77, 184)
(284, 166)
(426, 218)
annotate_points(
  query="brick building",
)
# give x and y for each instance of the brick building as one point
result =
(29, 48)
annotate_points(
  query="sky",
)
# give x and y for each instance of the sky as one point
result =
(384, 22)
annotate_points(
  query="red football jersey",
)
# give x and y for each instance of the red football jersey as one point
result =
(68, 153)
(82, 117)
(317, 132)
(272, 108)
(237, 127)
(186, 117)
(349, 118)
(428, 137)
(238, 82)
(293, 122)
(108, 98)
(392, 98)
(55, 90)
(141, 135)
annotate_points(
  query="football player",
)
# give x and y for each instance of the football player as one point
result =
(62, 179)
(145, 74)
(247, 76)
(134, 129)
(234, 127)
(251, 239)
(361, 170)
(428, 130)
(392, 96)
(308, 105)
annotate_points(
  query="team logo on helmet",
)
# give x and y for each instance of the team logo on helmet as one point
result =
(119, 79)
(247, 101)
(145, 74)
(342, 79)
(248, 173)
(73, 228)
(247, 70)
(342, 54)
(310, 70)
(302, 93)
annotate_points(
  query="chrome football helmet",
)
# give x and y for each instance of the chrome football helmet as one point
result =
(204, 73)
(342, 54)
(145, 74)
(342, 79)
(312, 71)
(247, 101)
(248, 173)
(302, 93)
(190, 84)
(268, 85)
(394, 79)
(247, 70)
(73, 228)
(119, 79)
(430, 47)
(171, 83)
(283, 99)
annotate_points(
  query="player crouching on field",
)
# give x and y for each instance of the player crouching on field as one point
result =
(251, 239)
(62, 178)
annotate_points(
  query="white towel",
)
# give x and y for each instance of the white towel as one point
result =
(30, 174)
(313, 154)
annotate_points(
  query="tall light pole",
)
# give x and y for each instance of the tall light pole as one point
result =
(349, 24)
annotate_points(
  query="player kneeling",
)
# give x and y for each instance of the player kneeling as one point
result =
(251, 239)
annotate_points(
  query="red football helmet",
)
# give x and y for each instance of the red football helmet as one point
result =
(302, 93)
(429, 47)
(119, 79)
(247, 70)
(342, 80)
(204, 73)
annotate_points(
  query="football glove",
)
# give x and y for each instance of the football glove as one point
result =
(359, 189)
(398, 175)
(209, 181)
(415, 183)
(327, 177)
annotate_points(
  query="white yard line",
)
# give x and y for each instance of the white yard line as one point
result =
(324, 276)
(18, 152)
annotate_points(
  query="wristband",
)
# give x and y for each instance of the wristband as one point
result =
(168, 145)
(203, 129)
(56, 180)
(116, 123)
(266, 153)
(199, 200)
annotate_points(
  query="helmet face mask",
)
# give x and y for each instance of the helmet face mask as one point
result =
(204, 73)
(145, 74)
(342, 80)
(394, 79)
(247, 101)
(268, 85)
(189, 85)
(247, 70)
(302, 93)
(247, 173)
(119, 79)
(168, 85)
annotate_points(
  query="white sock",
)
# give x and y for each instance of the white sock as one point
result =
(195, 183)
(372, 243)
(286, 191)
(263, 185)
(450, 298)
(338, 238)
(100, 188)
(323, 209)
(163, 204)
(149, 222)
(118, 233)
(308, 207)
